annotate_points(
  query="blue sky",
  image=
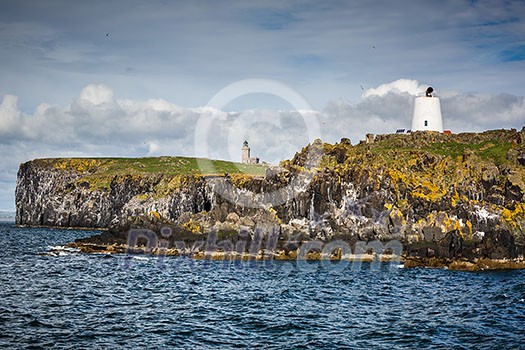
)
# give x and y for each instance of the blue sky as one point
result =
(131, 78)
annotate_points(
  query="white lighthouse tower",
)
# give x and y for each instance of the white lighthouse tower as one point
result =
(427, 113)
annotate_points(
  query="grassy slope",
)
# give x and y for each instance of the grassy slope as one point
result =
(395, 151)
(100, 171)
(491, 149)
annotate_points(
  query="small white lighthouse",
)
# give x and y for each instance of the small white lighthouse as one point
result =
(427, 113)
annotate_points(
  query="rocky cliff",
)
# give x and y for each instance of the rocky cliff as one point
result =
(108, 193)
(443, 196)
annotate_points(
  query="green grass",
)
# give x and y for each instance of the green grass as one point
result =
(396, 150)
(496, 152)
(164, 165)
(99, 172)
(450, 149)
(492, 150)
(392, 150)
(182, 166)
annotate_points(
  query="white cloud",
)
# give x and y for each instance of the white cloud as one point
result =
(153, 147)
(96, 94)
(411, 87)
(478, 112)
(10, 116)
(98, 124)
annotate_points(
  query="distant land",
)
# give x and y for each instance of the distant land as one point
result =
(451, 200)
(7, 216)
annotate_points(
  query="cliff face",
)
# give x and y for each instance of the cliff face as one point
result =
(441, 195)
(47, 195)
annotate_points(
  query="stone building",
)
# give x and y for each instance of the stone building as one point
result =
(245, 155)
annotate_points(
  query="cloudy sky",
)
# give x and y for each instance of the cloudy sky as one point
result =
(146, 78)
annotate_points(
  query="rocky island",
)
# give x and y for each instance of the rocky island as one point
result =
(451, 200)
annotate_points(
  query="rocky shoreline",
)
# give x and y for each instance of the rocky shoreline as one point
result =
(478, 264)
(460, 264)
(454, 201)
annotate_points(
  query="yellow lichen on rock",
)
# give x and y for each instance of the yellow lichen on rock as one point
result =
(142, 197)
(274, 213)
(193, 226)
(397, 176)
(77, 164)
(513, 217)
(429, 191)
(455, 198)
(240, 180)
(468, 224)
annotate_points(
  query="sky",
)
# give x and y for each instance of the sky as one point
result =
(196, 78)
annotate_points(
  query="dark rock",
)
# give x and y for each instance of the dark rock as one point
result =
(489, 175)
(515, 187)
(498, 245)
(432, 233)
(521, 155)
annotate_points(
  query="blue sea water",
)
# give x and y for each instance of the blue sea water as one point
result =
(98, 301)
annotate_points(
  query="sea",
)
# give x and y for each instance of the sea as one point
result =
(70, 300)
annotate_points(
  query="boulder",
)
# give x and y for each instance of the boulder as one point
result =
(498, 244)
